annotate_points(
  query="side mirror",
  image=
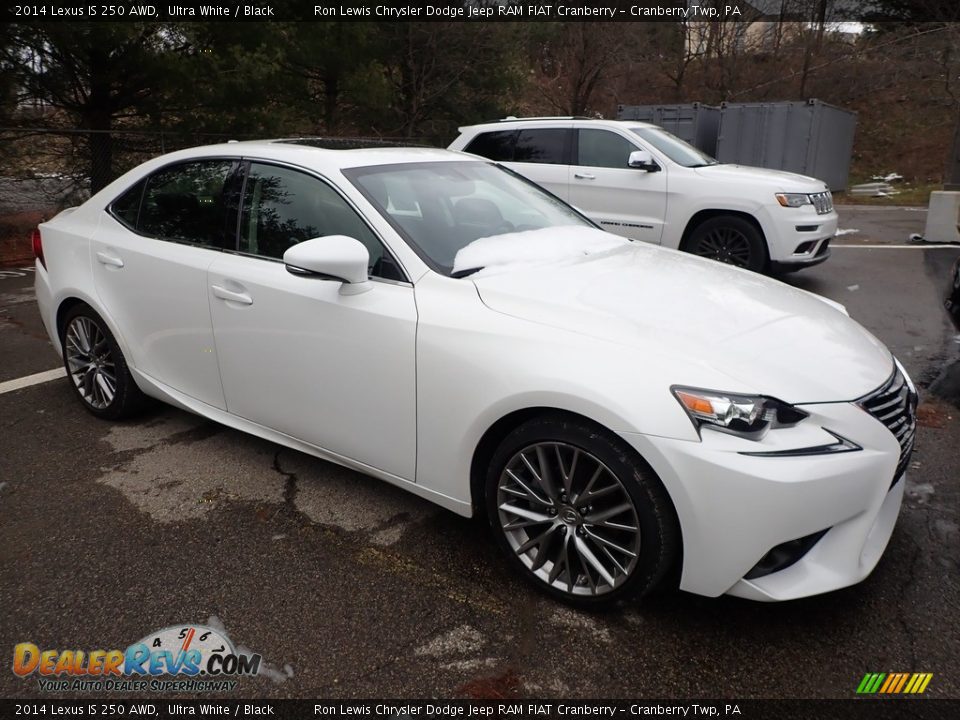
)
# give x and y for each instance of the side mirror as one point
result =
(643, 160)
(334, 257)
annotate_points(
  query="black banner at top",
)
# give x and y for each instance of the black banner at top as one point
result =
(484, 11)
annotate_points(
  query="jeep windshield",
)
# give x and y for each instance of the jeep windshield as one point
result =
(682, 153)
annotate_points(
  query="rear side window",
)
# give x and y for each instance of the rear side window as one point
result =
(190, 203)
(602, 148)
(548, 145)
(497, 146)
(126, 208)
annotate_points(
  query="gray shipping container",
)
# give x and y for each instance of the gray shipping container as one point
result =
(696, 123)
(811, 138)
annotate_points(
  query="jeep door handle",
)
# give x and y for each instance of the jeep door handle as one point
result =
(584, 176)
(237, 297)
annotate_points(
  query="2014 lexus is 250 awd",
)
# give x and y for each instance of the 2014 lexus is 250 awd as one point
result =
(618, 411)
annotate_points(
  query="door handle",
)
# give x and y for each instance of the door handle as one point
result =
(237, 297)
(109, 260)
(584, 176)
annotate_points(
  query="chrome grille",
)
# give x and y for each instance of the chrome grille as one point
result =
(822, 201)
(895, 405)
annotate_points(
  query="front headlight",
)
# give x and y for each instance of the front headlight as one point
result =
(793, 200)
(749, 416)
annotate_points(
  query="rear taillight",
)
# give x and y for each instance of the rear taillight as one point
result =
(38, 247)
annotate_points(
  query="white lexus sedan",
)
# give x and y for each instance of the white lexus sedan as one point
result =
(622, 414)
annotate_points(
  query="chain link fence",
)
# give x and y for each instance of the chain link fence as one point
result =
(43, 171)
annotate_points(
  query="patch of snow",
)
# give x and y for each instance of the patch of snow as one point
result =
(846, 231)
(920, 492)
(460, 640)
(470, 665)
(580, 622)
(853, 288)
(530, 248)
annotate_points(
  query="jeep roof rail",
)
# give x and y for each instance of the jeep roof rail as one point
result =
(512, 118)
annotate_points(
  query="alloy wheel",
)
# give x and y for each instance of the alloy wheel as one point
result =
(726, 244)
(90, 362)
(568, 518)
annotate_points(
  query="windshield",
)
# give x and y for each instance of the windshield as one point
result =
(441, 207)
(680, 152)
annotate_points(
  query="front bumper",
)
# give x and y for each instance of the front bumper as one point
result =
(799, 237)
(734, 508)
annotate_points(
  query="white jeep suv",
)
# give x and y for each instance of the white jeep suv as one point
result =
(637, 180)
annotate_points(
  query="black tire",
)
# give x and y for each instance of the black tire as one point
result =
(729, 239)
(656, 545)
(127, 399)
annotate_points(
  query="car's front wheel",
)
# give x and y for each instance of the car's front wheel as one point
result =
(729, 239)
(579, 513)
(96, 367)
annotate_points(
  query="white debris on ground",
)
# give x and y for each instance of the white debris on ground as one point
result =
(530, 248)
(889, 177)
(846, 231)
(874, 189)
(853, 288)
(881, 186)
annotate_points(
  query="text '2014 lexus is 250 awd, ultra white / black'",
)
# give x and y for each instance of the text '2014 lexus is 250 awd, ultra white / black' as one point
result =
(621, 413)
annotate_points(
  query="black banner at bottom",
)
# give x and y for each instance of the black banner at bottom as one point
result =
(853, 709)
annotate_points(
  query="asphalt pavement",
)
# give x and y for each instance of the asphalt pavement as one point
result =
(351, 588)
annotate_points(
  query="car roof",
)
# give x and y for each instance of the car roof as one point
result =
(511, 122)
(296, 152)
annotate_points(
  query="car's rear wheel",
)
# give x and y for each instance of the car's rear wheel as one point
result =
(729, 239)
(96, 367)
(579, 513)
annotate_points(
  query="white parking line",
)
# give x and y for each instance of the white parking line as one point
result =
(918, 246)
(35, 379)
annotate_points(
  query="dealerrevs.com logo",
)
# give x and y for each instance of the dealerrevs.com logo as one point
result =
(180, 658)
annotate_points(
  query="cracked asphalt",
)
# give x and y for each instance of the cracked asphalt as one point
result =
(349, 587)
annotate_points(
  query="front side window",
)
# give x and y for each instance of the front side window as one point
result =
(283, 207)
(673, 147)
(188, 203)
(602, 148)
(546, 145)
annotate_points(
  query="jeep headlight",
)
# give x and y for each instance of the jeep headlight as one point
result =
(793, 200)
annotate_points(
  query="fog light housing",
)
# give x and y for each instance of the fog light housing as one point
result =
(805, 247)
(784, 555)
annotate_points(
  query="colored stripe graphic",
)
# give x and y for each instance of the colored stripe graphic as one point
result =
(894, 683)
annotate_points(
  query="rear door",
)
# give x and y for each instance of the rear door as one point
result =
(150, 256)
(539, 154)
(627, 201)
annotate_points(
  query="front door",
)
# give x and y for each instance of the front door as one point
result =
(296, 355)
(627, 201)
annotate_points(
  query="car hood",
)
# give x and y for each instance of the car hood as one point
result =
(778, 179)
(694, 315)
